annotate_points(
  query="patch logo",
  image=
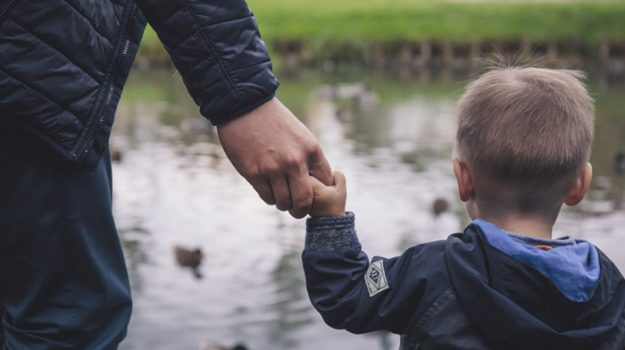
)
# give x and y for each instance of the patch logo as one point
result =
(375, 278)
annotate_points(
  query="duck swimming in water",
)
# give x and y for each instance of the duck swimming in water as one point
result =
(439, 206)
(191, 258)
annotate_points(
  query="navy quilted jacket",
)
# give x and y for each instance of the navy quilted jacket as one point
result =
(63, 63)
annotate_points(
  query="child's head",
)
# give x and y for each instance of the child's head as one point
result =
(523, 142)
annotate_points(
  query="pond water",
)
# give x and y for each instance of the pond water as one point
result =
(174, 186)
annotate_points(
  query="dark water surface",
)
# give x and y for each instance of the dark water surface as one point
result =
(392, 137)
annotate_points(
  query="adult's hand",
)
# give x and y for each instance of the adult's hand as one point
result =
(276, 153)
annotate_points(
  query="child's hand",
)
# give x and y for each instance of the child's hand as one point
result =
(329, 200)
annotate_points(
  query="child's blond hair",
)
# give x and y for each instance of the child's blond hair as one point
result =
(528, 131)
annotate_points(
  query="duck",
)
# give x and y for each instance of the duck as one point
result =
(116, 156)
(188, 257)
(191, 258)
(439, 206)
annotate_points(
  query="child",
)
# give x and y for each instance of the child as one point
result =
(523, 145)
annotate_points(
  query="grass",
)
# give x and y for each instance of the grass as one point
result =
(438, 20)
(366, 21)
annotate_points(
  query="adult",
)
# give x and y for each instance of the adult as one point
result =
(63, 63)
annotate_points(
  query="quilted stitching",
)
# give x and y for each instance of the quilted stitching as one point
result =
(73, 56)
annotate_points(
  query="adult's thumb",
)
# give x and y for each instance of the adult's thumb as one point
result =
(316, 184)
(320, 168)
(339, 180)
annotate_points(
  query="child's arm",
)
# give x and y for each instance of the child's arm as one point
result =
(353, 294)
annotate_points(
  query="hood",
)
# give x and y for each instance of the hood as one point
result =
(522, 297)
(571, 265)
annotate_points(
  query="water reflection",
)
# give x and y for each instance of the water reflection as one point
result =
(393, 139)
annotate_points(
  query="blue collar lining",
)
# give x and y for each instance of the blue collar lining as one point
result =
(572, 265)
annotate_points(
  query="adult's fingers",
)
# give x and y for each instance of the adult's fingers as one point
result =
(301, 191)
(319, 167)
(339, 180)
(263, 188)
(280, 188)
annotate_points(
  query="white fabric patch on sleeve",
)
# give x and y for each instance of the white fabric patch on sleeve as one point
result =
(375, 278)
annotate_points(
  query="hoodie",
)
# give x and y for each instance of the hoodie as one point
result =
(481, 289)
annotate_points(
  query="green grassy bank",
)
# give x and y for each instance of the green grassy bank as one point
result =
(366, 21)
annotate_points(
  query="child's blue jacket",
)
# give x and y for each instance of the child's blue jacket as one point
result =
(461, 293)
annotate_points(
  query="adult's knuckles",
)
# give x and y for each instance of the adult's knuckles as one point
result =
(292, 162)
(269, 169)
(312, 149)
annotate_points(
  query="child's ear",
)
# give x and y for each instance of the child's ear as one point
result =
(580, 189)
(466, 190)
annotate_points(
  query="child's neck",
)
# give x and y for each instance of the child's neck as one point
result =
(525, 226)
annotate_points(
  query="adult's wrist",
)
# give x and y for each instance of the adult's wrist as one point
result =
(243, 111)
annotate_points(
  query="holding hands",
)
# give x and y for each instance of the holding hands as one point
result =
(329, 200)
(277, 155)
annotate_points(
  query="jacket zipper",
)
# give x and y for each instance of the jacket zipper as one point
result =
(126, 47)
(87, 142)
(107, 101)
(5, 9)
(100, 120)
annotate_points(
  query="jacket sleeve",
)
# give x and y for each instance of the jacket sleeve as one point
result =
(217, 48)
(351, 293)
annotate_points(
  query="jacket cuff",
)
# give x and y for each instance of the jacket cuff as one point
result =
(240, 109)
(332, 233)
